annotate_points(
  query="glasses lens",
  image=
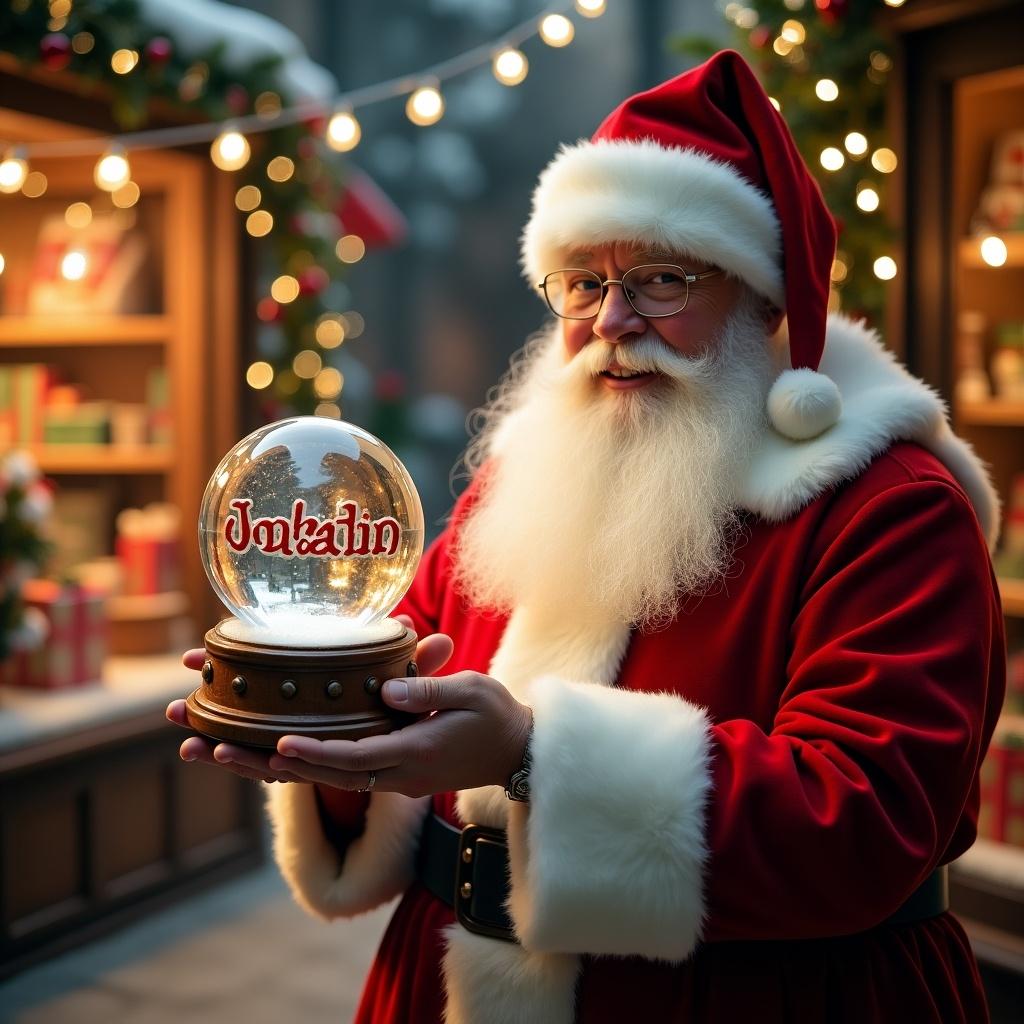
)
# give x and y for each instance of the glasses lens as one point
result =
(657, 290)
(575, 294)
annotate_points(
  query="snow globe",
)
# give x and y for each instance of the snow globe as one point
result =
(310, 532)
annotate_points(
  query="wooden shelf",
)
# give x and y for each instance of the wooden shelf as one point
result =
(64, 330)
(1012, 593)
(999, 412)
(102, 458)
(970, 251)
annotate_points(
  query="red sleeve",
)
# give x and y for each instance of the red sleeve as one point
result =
(868, 778)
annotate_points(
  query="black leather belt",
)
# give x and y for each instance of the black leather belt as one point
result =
(468, 870)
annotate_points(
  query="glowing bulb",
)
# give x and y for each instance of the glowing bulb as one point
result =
(13, 172)
(307, 364)
(794, 32)
(73, 266)
(259, 223)
(885, 268)
(839, 270)
(775, 103)
(832, 159)
(350, 249)
(330, 332)
(35, 184)
(591, 8)
(826, 90)
(856, 144)
(230, 151)
(260, 375)
(78, 215)
(281, 168)
(747, 18)
(3, 263)
(328, 383)
(285, 289)
(112, 171)
(782, 46)
(895, 3)
(425, 106)
(510, 66)
(993, 251)
(123, 61)
(343, 131)
(884, 160)
(126, 196)
(557, 30)
(867, 199)
(247, 198)
(331, 412)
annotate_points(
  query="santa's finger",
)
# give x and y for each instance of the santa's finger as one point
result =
(194, 658)
(351, 782)
(436, 693)
(406, 620)
(176, 713)
(433, 653)
(375, 753)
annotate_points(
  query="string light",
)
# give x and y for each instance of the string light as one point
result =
(230, 150)
(74, 265)
(126, 196)
(307, 364)
(354, 323)
(281, 168)
(425, 106)
(343, 131)
(510, 66)
(260, 375)
(840, 269)
(259, 223)
(993, 251)
(782, 46)
(591, 8)
(83, 42)
(112, 170)
(884, 160)
(856, 144)
(328, 409)
(794, 32)
(826, 90)
(78, 215)
(35, 184)
(775, 103)
(867, 199)
(285, 289)
(557, 30)
(350, 249)
(247, 198)
(124, 61)
(885, 268)
(747, 18)
(3, 263)
(328, 383)
(895, 3)
(330, 332)
(832, 159)
(13, 171)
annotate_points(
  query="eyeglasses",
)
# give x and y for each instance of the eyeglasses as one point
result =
(653, 290)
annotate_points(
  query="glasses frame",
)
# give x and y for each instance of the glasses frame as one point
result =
(687, 277)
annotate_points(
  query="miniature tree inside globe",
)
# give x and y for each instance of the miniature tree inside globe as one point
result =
(310, 533)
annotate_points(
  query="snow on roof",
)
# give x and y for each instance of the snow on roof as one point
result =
(246, 36)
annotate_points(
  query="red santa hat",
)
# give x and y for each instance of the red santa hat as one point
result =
(705, 165)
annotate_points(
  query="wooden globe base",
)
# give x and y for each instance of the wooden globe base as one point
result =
(254, 694)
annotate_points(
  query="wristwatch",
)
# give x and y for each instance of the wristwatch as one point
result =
(518, 785)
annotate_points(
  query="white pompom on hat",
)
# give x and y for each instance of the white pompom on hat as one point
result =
(704, 165)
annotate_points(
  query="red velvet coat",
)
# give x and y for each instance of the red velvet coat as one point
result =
(853, 674)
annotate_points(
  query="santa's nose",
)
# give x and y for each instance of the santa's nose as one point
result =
(617, 320)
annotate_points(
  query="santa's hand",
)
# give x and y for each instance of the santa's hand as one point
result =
(476, 736)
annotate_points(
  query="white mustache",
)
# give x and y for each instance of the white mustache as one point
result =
(648, 354)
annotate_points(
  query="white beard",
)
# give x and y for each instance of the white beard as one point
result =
(616, 503)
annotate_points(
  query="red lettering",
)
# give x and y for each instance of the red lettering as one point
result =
(394, 531)
(239, 539)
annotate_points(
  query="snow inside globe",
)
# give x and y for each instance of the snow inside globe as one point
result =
(310, 532)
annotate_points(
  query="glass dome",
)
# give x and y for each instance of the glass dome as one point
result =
(310, 532)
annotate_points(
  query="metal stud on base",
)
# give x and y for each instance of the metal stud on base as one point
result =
(253, 694)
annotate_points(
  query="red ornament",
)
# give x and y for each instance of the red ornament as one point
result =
(269, 310)
(55, 51)
(237, 99)
(313, 280)
(760, 37)
(158, 51)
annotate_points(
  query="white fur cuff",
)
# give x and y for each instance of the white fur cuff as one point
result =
(608, 857)
(376, 867)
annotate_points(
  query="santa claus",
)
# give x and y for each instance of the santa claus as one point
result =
(726, 569)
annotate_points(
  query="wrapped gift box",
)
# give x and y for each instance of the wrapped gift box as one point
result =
(149, 550)
(74, 650)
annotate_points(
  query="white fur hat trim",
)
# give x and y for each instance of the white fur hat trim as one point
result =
(803, 404)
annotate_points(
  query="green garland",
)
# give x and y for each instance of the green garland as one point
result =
(301, 242)
(841, 41)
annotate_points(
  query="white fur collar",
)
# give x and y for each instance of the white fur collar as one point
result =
(881, 403)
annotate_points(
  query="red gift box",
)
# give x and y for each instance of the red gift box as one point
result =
(149, 565)
(1001, 816)
(74, 650)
